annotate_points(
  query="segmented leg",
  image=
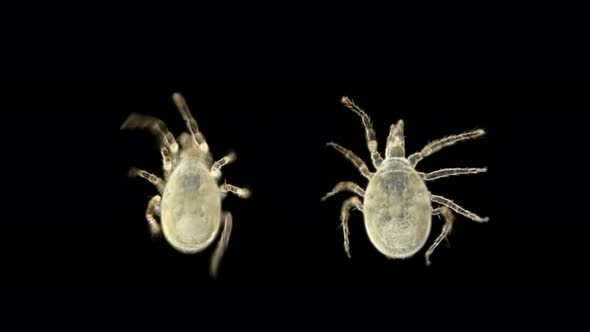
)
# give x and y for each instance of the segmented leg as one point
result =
(446, 229)
(369, 131)
(240, 192)
(442, 173)
(358, 162)
(437, 212)
(156, 181)
(450, 204)
(191, 123)
(156, 126)
(166, 161)
(221, 244)
(353, 202)
(345, 185)
(153, 208)
(441, 143)
(215, 169)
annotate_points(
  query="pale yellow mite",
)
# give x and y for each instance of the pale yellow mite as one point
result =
(189, 200)
(397, 205)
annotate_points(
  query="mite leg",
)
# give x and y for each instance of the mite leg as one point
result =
(156, 126)
(446, 229)
(240, 192)
(191, 123)
(221, 244)
(353, 202)
(342, 186)
(369, 131)
(153, 208)
(166, 161)
(215, 169)
(358, 162)
(451, 205)
(441, 143)
(156, 181)
(443, 173)
(437, 212)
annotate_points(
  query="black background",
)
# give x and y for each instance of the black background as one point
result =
(73, 219)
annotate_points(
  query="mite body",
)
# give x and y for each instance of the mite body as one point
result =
(190, 203)
(397, 205)
(191, 207)
(397, 209)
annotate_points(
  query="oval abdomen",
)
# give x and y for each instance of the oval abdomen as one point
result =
(191, 207)
(397, 210)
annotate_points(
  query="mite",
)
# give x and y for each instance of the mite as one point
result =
(397, 205)
(189, 201)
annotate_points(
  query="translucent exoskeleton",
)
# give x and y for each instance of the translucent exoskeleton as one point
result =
(396, 204)
(189, 200)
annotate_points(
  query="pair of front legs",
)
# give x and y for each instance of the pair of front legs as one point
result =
(170, 149)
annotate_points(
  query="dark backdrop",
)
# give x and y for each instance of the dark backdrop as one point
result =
(72, 217)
